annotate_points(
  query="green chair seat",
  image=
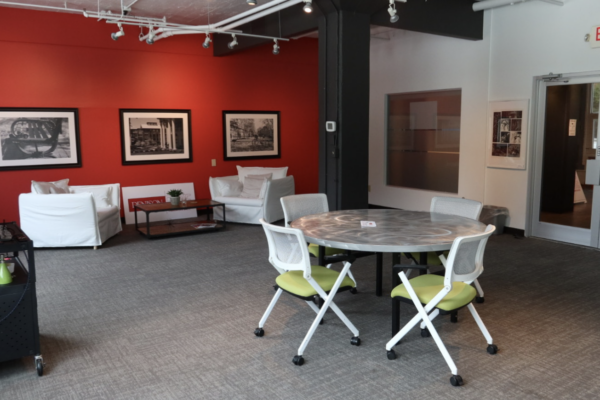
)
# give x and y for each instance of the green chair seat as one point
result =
(294, 282)
(428, 286)
(432, 258)
(329, 251)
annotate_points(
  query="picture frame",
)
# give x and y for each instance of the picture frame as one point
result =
(151, 136)
(251, 135)
(39, 138)
(507, 134)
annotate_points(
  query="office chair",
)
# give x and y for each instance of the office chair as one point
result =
(288, 253)
(445, 294)
(451, 206)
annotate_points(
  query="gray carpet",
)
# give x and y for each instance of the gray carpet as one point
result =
(174, 318)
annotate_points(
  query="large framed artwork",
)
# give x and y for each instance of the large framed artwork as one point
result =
(36, 138)
(251, 135)
(507, 135)
(155, 136)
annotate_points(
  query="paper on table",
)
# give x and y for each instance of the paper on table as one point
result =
(367, 224)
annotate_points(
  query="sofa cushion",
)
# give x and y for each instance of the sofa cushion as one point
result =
(61, 186)
(253, 186)
(240, 201)
(101, 194)
(278, 173)
(229, 188)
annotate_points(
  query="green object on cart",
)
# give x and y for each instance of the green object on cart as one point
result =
(5, 277)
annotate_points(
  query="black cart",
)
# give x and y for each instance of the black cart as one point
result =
(19, 329)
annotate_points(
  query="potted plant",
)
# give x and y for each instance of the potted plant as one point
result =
(175, 193)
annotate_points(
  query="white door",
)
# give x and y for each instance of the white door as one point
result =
(565, 129)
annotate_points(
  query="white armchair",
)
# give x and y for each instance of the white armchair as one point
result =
(250, 210)
(85, 216)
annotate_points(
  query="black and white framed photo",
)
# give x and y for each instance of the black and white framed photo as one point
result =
(155, 136)
(251, 135)
(507, 135)
(39, 138)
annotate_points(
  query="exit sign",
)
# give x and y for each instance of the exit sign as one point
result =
(595, 37)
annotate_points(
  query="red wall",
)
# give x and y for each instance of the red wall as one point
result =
(63, 60)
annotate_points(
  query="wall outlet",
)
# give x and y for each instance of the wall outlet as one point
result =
(213, 162)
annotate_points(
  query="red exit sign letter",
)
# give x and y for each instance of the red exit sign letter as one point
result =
(146, 200)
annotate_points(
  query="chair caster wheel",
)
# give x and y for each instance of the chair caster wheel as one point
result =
(492, 349)
(479, 299)
(454, 319)
(391, 355)
(39, 366)
(259, 332)
(456, 380)
(355, 341)
(425, 333)
(298, 360)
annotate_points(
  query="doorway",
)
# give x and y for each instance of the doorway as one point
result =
(566, 127)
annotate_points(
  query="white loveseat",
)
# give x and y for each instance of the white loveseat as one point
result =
(267, 205)
(71, 216)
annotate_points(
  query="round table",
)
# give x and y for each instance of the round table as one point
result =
(395, 231)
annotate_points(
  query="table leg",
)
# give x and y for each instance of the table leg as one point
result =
(395, 316)
(321, 257)
(396, 268)
(379, 266)
(423, 261)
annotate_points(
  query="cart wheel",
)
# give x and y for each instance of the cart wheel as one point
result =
(39, 365)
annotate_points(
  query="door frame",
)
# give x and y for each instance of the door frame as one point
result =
(568, 234)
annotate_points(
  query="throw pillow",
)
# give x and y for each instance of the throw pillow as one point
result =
(229, 188)
(278, 173)
(44, 187)
(252, 187)
(101, 194)
(263, 189)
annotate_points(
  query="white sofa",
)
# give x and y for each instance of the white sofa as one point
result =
(83, 216)
(251, 210)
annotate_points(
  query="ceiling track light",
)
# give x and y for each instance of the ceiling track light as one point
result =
(251, 2)
(393, 13)
(151, 35)
(275, 47)
(307, 7)
(207, 41)
(117, 35)
(233, 43)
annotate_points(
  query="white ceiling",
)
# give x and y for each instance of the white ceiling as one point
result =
(187, 12)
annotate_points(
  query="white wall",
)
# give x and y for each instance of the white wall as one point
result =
(414, 62)
(527, 40)
(520, 42)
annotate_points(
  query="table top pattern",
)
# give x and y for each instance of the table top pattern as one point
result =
(395, 231)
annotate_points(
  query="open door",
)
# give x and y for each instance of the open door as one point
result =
(566, 126)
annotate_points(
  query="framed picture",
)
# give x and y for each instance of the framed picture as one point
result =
(251, 135)
(36, 138)
(507, 135)
(155, 136)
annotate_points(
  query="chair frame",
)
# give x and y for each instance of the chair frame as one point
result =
(305, 267)
(427, 312)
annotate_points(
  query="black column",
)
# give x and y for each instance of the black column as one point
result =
(344, 38)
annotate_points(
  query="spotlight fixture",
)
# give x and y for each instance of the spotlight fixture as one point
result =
(233, 43)
(307, 6)
(151, 36)
(393, 13)
(117, 35)
(275, 47)
(85, 13)
(251, 2)
(207, 41)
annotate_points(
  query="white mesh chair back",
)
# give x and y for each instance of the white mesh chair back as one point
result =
(456, 206)
(300, 205)
(287, 249)
(465, 261)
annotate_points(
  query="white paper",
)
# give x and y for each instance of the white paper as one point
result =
(367, 224)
